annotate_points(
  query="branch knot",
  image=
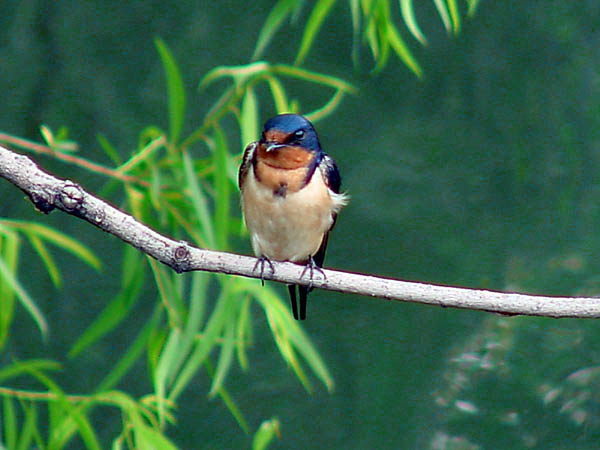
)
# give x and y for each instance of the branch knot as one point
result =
(41, 203)
(182, 257)
(71, 196)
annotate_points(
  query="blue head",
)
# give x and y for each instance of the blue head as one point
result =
(291, 130)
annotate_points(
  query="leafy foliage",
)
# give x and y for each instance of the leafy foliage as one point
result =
(372, 23)
(183, 184)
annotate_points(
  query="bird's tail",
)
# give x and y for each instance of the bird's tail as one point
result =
(303, 291)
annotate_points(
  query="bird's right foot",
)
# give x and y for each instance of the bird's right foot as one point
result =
(261, 262)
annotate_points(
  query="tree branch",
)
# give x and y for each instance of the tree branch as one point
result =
(48, 192)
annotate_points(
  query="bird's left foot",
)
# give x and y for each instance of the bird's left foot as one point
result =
(261, 262)
(311, 267)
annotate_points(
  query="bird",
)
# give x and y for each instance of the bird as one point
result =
(290, 196)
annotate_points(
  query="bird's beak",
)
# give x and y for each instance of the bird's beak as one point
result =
(272, 146)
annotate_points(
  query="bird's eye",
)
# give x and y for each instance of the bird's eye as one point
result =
(299, 134)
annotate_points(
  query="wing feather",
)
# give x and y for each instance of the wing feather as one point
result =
(331, 174)
(247, 161)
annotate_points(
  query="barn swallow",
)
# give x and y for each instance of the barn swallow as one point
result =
(290, 197)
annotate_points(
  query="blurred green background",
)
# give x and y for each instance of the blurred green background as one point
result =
(482, 174)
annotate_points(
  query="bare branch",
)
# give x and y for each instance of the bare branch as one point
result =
(48, 192)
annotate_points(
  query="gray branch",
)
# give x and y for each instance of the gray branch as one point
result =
(48, 192)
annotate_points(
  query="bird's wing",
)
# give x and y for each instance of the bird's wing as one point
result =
(331, 174)
(319, 257)
(249, 153)
(333, 180)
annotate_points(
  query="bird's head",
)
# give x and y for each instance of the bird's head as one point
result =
(289, 131)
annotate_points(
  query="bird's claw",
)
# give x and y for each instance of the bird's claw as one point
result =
(261, 261)
(311, 267)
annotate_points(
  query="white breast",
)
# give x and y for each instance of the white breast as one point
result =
(289, 228)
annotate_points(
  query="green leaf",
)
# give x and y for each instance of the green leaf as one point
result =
(57, 438)
(402, 51)
(29, 430)
(327, 108)
(67, 243)
(149, 134)
(408, 14)
(119, 307)
(310, 354)
(149, 438)
(382, 21)
(58, 143)
(10, 423)
(63, 133)
(315, 20)
(222, 189)
(472, 7)
(170, 296)
(57, 238)
(20, 367)
(249, 118)
(200, 203)
(444, 14)
(228, 400)
(455, 16)
(278, 94)
(370, 32)
(165, 369)
(233, 164)
(175, 91)
(355, 13)
(46, 257)
(281, 10)
(133, 353)
(9, 252)
(244, 333)
(204, 346)
(289, 336)
(198, 297)
(47, 134)
(109, 149)
(240, 75)
(187, 338)
(136, 417)
(225, 358)
(314, 77)
(11, 280)
(267, 431)
(142, 155)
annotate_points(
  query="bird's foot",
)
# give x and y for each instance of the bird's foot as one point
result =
(311, 267)
(261, 262)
